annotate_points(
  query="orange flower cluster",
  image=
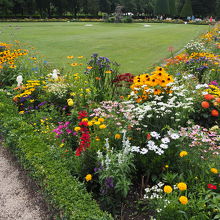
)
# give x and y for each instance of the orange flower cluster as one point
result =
(177, 59)
(7, 56)
(213, 102)
(155, 83)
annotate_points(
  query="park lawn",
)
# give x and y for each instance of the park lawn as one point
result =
(134, 46)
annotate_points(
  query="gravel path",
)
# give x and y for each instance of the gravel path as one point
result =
(19, 199)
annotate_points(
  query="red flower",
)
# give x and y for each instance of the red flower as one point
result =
(205, 104)
(209, 97)
(210, 186)
(82, 114)
(148, 136)
(214, 113)
(83, 123)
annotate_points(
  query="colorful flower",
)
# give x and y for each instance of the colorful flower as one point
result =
(211, 186)
(88, 177)
(182, 186)
(183, 200)
(183, 153)
(117, 136)
(167, 189)
(214, 170)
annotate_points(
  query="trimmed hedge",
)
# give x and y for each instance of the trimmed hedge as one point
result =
(48, 167)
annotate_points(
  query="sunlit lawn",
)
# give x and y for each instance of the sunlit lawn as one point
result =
(134, 46)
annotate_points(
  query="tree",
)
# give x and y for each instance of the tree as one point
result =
(172, 5)
(187, 9)
(179, 5)
(204, 7)
(129, 5)
(162, 7)
(93, 7)
(105, 6)
(217, 8)
(6, 6)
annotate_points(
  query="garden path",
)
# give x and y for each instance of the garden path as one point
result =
(19, 199)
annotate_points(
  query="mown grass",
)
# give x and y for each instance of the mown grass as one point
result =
(134, 46)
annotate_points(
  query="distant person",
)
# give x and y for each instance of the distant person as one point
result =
(211, 19)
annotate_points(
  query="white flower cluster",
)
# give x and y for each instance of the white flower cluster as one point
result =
(159, 145)
(112, 155)
(194, 47)
(154, 192)
(171, 107)
(58, 89)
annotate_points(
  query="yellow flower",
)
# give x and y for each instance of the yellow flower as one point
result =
(102, 126)
(182, 186)
(88, 90)
(88, 177)
(70, 102)
(32, 100)
(167, 189)
(108, 71)
(214, 170)
(183, 153)
(74, 64)
(77, 129)
(21, 112)
(61, 145)
(166, 166)
(72, 93)
(101, 120)
(117, 136)
(12, 66)
(80, 57)
(70, 57)
(97, 138)
(90, 123)
(89, 67)
(183, 200)
(85, 119)
(97, 123)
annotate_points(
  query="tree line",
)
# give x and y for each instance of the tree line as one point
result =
(93, 8)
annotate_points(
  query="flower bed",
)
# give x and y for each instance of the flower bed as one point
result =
(147, 143)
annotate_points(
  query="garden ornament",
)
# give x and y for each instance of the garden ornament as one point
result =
(19, 80)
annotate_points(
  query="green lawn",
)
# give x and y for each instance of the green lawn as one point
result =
(133, 46)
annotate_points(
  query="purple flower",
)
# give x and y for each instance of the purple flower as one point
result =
(109, 182)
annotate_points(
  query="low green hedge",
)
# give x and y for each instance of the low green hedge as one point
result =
(48, 167)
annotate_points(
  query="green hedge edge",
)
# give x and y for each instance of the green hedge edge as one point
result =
(63, 191)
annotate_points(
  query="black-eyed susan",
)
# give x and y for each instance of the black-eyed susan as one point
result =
(12, 66)
(70, 57)
(74, 64)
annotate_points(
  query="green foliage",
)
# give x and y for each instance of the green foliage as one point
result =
(187, 9)
(162, 7)
(172, 5)
(101, 74)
